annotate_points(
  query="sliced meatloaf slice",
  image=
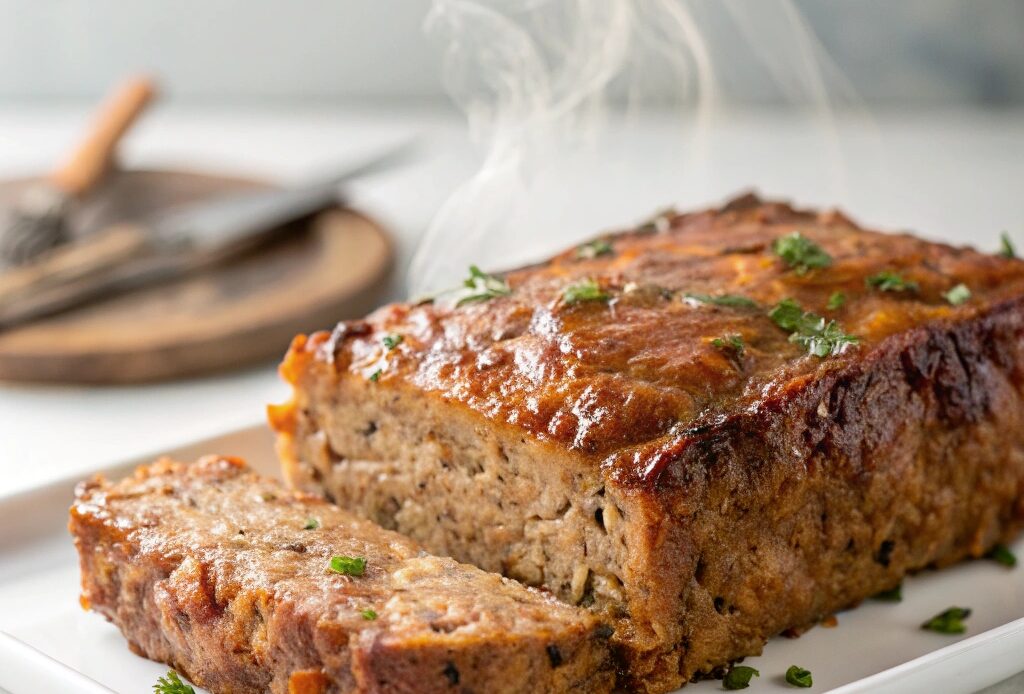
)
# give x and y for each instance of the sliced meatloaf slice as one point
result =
(711, 429)
(232, 579)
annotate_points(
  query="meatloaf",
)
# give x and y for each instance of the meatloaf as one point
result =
(248, 588)
(709, 429)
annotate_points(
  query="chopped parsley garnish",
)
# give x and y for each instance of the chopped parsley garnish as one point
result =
(730, 300)
(584, 290)
(827, 339)
(800, 253)
(480, 286)
(950, 621)
(798, 676)
(369, 615)
(810, 330)
(311, 524)
(730, 343)
(171, 684)
(959, 294)
(375, 376)
(1003, 555)
(888, 281)
(788, 315)
(836, 301)
(1006, 248)
(392, 341)
(891, 595)
(739, 677)
(593, 249)
(348, 566)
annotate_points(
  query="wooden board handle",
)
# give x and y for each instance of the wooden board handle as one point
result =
(91, 157)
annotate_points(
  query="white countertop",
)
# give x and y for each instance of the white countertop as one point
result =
(955, 176)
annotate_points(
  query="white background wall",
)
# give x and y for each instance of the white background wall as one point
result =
(894, 51)
(218, 49)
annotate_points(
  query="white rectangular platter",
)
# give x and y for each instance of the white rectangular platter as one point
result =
(48, 644)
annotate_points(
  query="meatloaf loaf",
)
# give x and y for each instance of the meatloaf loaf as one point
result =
(713, 428)
(248, 588)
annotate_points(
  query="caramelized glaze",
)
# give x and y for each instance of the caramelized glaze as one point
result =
(600, 377)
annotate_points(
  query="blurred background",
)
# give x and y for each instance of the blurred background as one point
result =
(537, 124)
(909, 53)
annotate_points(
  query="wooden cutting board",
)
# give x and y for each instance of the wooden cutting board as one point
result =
(332, 266)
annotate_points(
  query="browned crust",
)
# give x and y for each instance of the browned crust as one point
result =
(596, 378)
(246, 613)
(759, 505)
(832, 490)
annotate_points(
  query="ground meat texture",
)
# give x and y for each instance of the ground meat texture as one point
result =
(213, 570)
(703, 499)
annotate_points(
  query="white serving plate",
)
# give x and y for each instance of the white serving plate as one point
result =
(48, 644)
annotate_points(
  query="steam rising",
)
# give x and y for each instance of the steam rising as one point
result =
(554, 90)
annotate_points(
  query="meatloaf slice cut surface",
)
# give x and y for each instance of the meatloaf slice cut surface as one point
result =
(647, 426)
(227, 577)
